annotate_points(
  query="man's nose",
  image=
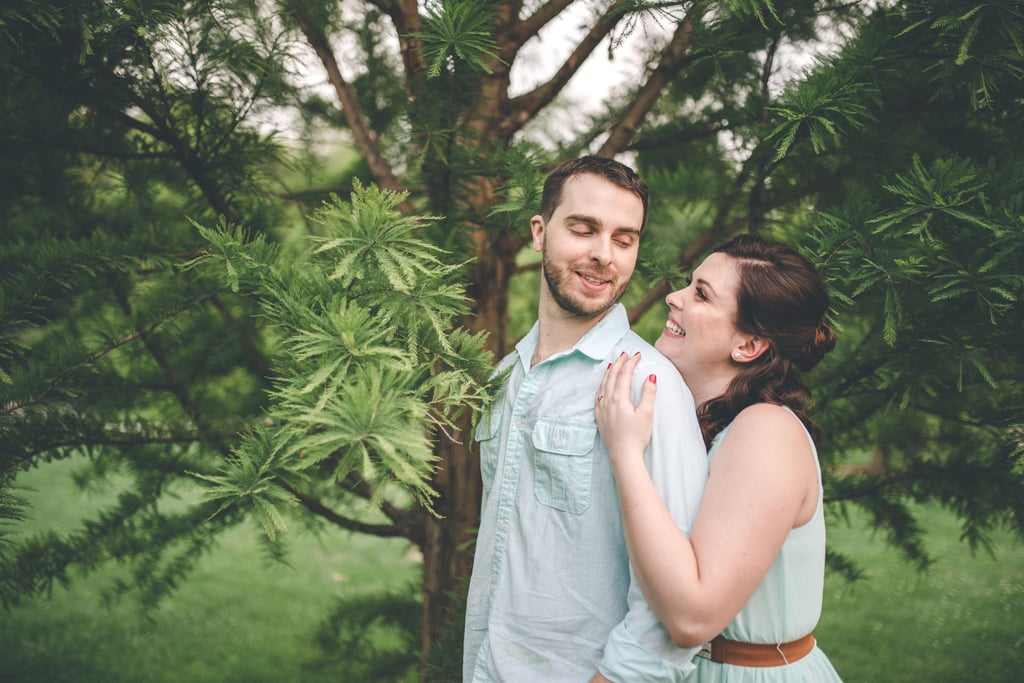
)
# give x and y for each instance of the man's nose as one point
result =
(601, 250)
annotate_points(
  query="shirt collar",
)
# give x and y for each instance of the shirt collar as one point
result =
(596, 344)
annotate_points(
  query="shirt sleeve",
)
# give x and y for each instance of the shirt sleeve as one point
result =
(639, 647)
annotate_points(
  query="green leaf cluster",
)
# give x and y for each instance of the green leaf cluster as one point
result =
(457, 33)
(370, 366)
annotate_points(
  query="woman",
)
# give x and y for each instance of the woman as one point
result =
(750, 577)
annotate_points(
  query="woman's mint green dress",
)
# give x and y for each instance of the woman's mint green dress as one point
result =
(785, 606)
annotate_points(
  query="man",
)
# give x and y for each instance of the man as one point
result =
(550, 599)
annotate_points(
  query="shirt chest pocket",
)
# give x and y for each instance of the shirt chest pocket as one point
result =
(486, 435)
(563, 463)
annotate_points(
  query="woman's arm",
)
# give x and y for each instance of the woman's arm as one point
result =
(763, 483)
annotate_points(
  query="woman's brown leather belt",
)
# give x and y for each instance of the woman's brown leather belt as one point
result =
(725, 651)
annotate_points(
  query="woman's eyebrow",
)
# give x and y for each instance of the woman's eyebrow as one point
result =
(705, 285)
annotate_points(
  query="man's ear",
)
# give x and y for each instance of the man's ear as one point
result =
(537, 230)
(751, 349)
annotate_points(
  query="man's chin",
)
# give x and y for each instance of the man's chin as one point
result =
(586, 309)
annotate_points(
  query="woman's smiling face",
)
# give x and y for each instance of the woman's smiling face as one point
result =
(700, 335)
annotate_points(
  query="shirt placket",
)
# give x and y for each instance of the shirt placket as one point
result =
(515, 450)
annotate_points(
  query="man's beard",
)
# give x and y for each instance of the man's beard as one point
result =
(559, 283)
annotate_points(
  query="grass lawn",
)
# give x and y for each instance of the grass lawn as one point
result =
(236, 619)
(239, 620)
(962, 621)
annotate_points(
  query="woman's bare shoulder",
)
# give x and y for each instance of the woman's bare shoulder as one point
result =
(769, 425)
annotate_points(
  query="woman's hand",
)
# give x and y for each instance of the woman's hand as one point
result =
(625, 428)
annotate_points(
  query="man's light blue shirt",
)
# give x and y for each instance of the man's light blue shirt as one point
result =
(550, 599)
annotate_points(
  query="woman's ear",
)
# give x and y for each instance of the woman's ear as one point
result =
(750, 350)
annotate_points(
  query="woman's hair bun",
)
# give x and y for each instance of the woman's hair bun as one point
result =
(824, 340)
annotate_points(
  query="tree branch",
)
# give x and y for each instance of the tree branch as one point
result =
(364, 490)
(522, 109)
(364, 135)
(401, 518)
(99, 353)
(666, 137)
(135, 439)
(674, 57)
(405, 15)
(318, 508)
(79, 148)
(177, 389)
(531, 26)
(256, 360)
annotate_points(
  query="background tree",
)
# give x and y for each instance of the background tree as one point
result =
(881, 137)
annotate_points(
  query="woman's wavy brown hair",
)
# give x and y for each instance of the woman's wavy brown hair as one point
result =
(782, 299)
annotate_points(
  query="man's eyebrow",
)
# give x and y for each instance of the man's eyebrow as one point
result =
(594, 222)
(582, 218)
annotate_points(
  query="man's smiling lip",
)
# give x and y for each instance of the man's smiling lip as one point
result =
(592, 282)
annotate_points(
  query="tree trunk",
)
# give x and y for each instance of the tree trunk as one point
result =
(447, 554)
(448, 540)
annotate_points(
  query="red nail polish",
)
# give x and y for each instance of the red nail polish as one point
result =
(609, 365)
(653, 379)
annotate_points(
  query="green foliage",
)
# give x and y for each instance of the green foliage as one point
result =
(12, 509)
(982, 43)
(764, 10)
(457, 33)
(823, 107)
(521, 191)
(369, 361)
(371, 638)
(252, 479)
(935, 277)
(178, 310)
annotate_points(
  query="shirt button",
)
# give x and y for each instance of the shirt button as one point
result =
(510, 475)
(502, 525)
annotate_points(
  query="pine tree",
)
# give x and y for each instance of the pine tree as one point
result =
(194, 291)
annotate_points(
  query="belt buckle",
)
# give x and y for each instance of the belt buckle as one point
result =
(705, 651)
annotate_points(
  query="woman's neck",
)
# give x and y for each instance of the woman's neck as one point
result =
(706, 388)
